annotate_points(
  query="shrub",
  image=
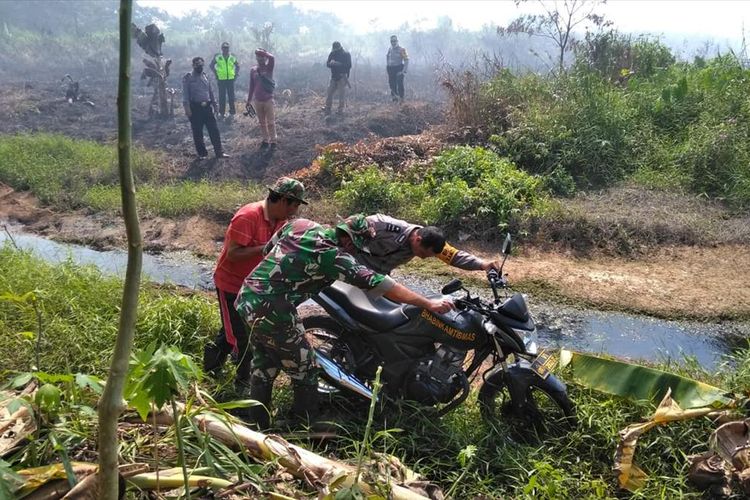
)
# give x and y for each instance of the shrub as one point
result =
(472, 188)
(717, 160)
(467, 188)
(372, 190)
(447, 203)
(665, 124)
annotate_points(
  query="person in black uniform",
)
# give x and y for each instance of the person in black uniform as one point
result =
(200, 107)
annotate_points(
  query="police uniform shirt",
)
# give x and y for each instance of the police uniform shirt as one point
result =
(390, 247)
(197, 88)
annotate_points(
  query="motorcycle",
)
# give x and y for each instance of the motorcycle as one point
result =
(431, 358)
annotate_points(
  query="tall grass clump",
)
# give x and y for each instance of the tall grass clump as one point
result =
(179, 199)
(575, 124)
(80, 311)
(59, 170)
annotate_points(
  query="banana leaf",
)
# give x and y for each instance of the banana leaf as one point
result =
(629, 475)
(639, 382)
(38, 476)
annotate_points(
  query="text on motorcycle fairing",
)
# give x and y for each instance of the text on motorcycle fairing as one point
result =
(453, 332)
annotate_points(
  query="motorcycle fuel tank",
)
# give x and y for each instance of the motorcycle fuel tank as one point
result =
(461, 329)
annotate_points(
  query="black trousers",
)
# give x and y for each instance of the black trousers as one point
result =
(396, 81)
(201, 116)
(232, 327)
(226, 91)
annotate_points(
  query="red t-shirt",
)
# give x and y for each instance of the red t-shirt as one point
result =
(249, 228)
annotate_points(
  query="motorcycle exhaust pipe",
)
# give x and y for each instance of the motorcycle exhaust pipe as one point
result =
(340, 377)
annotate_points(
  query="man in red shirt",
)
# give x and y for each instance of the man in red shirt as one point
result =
(251, 228)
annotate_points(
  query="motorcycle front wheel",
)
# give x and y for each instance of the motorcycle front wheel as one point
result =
(545, 412)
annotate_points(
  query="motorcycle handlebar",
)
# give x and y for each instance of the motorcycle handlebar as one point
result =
(495, 279)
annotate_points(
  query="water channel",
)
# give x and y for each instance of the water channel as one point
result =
(624, 335)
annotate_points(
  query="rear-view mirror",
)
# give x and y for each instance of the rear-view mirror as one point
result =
(453, 285)
(506, 245)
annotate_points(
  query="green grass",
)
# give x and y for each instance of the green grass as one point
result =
(59, 170)
(180, 199)
(71, 173)
(80, 311)
(80, 307)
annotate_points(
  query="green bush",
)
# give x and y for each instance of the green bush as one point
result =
(447, 203)
(464, 162)
(372, 190)
(468, 188)
(666, 124)
(717, 160)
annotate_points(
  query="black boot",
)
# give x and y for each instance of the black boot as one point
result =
(306, 411)
(257, 416)
(305, 403)
(214, 357)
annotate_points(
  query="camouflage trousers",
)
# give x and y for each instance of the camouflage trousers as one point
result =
(278, 339)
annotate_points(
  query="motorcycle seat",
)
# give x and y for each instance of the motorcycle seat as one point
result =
(375, 312)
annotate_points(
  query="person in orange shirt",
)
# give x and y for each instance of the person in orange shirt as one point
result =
(250, 229)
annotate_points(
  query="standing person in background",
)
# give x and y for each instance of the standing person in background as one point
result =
(260, 97)
(200, 106)
(340, 62)
(248, 232)
(225, 68)
(397, 62)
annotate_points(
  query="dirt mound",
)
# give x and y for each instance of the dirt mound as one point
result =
(200, 235)
(396, 153)
(632, 221)
(301, 126)
(20, 207)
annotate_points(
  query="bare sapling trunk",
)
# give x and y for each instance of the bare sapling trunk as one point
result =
(162, 89)
(111, 403)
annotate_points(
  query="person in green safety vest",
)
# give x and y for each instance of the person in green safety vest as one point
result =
(226, 68)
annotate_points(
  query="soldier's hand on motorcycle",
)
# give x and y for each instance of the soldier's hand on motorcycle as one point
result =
(440, 306)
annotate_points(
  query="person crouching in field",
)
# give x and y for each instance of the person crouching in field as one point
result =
(260, 97)
(248, 232)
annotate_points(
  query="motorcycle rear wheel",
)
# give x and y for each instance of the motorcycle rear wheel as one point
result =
(323, 334)
(546, 412)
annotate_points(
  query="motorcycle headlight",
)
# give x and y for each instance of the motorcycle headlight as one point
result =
(529, 340)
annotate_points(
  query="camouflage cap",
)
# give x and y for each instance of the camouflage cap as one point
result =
(358, 229)
(291, 188)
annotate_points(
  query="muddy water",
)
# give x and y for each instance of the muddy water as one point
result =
(178, 268)
(632, 336)
(623, 335)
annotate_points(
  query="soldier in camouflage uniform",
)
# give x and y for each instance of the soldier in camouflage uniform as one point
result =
(302, 258)
(396, 242)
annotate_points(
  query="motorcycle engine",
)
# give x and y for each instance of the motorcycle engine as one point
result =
(437, 378)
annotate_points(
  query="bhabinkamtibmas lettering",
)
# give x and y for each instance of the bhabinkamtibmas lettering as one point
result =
(453, 332)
